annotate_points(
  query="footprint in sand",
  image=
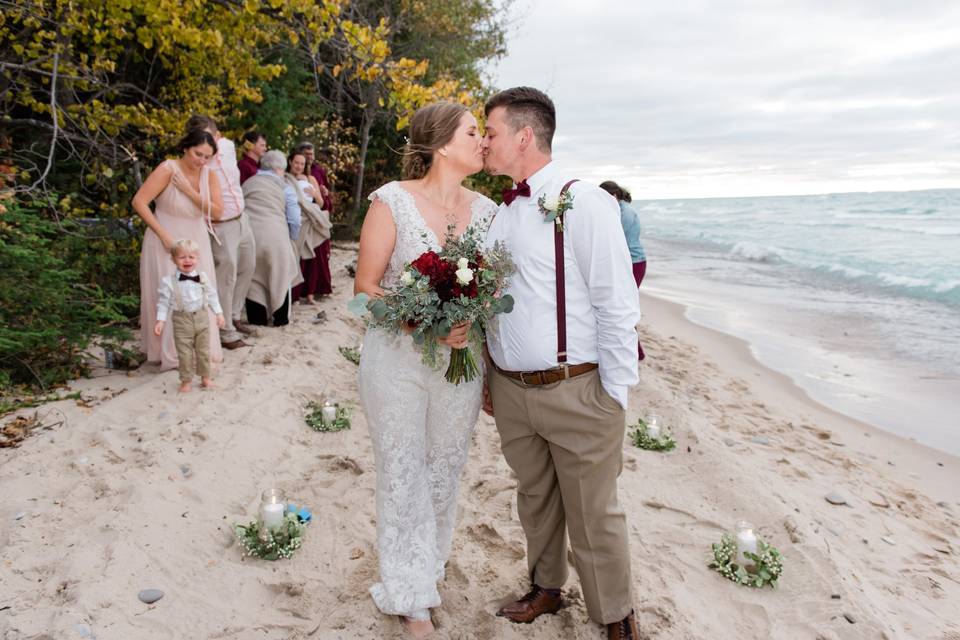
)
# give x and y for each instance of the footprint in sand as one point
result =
(341, 463)
(491, 540)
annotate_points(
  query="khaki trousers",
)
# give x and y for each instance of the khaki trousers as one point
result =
(191, 337)
(564, 441)
(235, 260)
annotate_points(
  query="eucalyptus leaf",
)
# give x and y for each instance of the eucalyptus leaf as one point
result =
(358, 306)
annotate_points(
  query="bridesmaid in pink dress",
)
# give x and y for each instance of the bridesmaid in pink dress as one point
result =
(186, 201)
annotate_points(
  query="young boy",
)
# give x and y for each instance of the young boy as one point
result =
(188, 293)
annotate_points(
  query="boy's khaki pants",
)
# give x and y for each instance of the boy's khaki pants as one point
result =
(191, 336)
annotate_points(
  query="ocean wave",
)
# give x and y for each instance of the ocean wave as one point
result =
(926, 288)
(947, 287)
(927, 231)
(756, 252)
(905, 281)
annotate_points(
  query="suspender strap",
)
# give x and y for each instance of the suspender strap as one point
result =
(561, 286)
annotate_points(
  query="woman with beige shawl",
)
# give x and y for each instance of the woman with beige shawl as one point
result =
(275, 217)
(314, 230)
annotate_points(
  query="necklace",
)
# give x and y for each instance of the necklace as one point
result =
(449, 212)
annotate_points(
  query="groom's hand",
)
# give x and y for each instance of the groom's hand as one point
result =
(487, 401)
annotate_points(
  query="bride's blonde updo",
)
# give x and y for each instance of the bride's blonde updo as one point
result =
(431, 127)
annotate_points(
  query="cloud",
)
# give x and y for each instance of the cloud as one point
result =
(698, 98)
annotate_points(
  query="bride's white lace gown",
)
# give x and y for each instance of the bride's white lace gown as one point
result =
(420, 426)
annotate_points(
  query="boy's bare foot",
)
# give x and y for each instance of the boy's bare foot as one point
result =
(207, 383)
(418, 628)
(185, 387)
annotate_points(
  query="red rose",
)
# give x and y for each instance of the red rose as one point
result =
(429, 264)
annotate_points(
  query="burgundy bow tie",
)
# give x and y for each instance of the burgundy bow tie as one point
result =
(509, 195)
(184, 276)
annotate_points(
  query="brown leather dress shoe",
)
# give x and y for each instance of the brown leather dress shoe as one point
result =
(242, 327)
(236, 344)
(623, 630)
(531, 606)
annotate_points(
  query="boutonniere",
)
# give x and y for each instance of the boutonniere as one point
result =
(203, 278)
(554, 208)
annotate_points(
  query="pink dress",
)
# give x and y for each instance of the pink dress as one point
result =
(182, 219)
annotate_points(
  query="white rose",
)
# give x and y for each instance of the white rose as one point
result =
(464, 276)
(463, 263)
(406, 278)
(551, 204)
(203, 277)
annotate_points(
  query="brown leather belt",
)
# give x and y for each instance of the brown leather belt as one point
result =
(549, 376)
(228, 219)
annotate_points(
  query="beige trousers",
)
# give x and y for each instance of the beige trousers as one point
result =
(191, 336)
(564, 441)
(235, 259)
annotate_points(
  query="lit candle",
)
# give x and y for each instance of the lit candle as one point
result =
(271, 508)
(329, 412)
(653, 426)
(746, 541)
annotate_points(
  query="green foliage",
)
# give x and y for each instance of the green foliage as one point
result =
(350, 353)
(315, 421)
(271, 544)
(767, 567)
(49, 312)
(642, 439)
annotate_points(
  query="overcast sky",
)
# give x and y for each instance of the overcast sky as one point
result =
(692, 98)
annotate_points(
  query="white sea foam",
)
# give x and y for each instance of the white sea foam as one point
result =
(756, 252)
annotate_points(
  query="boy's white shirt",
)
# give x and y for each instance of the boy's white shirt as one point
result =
(193, 295)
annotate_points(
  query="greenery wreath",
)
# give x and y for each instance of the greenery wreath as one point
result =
(314, 418)
(768, 563)
(271, 544)
(641, 438)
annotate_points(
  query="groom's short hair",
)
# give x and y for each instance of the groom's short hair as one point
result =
(527, 107)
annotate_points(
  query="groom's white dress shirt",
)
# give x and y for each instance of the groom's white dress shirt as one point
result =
(603, 307)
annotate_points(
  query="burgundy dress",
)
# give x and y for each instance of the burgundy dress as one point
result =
(317, 280)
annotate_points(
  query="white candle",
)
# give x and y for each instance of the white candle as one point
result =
(272, 514)
(653, 426)
(746, 541)
(328, 413)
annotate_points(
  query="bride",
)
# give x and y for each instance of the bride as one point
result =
(420, 424)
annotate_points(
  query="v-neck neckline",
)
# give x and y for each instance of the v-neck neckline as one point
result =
(426, 225)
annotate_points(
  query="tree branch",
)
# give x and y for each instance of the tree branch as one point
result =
(56, 121)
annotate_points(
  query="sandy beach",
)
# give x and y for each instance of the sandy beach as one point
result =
(139, 487)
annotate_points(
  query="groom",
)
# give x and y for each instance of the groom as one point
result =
(559, 381)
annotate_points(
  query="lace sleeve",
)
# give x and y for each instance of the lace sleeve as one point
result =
(484, 210)
(387, 194)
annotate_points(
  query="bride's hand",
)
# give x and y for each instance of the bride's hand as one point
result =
(457, 338)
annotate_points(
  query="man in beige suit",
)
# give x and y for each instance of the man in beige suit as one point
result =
(562, 363)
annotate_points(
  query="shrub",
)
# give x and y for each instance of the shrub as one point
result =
(50, 310)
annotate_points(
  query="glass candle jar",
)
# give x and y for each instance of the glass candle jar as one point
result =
(272, 506)
(329, 412)
(654, 426)
(746, 541)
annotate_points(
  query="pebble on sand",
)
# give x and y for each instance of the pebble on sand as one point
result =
(149, 596)
(835, 498)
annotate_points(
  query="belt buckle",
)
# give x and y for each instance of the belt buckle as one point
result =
(524, 382)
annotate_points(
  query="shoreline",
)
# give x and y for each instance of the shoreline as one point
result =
(140, 486)
(738, 359)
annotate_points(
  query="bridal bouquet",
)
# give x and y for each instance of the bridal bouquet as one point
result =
(460, 284)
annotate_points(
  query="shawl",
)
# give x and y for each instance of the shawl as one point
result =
(277, 267)
(314, 224)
